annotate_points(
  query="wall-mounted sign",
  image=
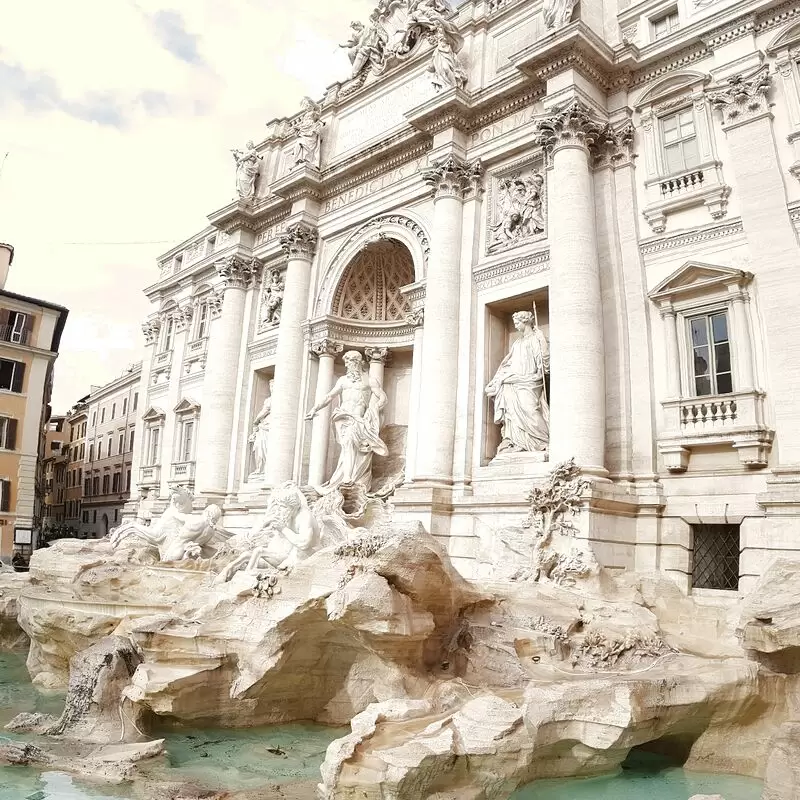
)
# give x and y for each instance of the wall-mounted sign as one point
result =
(23, 536)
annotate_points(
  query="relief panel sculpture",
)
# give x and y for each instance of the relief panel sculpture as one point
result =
(517, 213)
(518, 391)
(271, 300)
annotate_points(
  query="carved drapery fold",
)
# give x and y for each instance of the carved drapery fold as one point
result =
(570, 125)
(453, 177)
(744, 97)
(299, 241)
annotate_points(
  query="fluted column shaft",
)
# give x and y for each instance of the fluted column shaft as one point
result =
(299, 243)
(222, 374)
(326, 351)
(577, 417)
(451, 179)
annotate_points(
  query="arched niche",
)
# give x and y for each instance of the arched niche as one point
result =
(400, 228)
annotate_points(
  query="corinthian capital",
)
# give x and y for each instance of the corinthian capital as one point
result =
(150, 329)
(614, 146)
(744, 97)
(237, 272)
(453, 177)
(326, 347)
(299, 241)
(381, 355)
(571, 125)
(183, 316)
(416, 318)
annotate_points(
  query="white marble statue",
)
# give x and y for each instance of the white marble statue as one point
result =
(178, 534)
(357, 422)
(520, 405)
(289, 533)
(309, 132)
(445, 69)
(246, 170)
(273, 300)
(260, 433)
(366, 46)
(520, 209)
(557, 13)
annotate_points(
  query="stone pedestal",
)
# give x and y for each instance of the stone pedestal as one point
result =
(450, 179)
(299, 243)
(326, 351)
(222, 375)
(577, 422)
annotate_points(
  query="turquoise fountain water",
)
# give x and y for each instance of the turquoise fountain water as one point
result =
(252, 758)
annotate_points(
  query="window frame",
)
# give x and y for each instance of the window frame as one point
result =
(675, 114)
(660, 17)
(17, 382)
(691, 378)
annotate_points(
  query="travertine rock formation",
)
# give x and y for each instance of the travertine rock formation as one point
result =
(12, 637)
(782, 779)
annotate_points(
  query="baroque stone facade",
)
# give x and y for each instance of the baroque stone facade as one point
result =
(626, 178)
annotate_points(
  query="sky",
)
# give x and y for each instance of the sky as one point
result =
(118, 117)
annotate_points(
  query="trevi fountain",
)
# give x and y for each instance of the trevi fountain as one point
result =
(430, 577)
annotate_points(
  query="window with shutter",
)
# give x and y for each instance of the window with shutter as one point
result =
(5, 495)
(12, 374)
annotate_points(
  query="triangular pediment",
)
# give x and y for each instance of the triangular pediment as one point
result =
(187, 406)
(153, 414)
(788, 37)
(673, 85)
(696, 277)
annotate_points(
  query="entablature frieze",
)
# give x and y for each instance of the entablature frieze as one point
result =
(508, 270)
(359, 334)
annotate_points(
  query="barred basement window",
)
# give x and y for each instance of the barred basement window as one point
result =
(715, 563)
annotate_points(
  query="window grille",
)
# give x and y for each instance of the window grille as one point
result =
(715, 563)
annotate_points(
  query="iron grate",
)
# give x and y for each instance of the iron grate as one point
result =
(716, 557)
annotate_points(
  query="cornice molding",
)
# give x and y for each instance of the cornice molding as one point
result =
(690, 238)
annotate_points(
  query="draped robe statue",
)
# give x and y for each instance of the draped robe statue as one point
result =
(246, 170)
(260, 433)
(357, 424)
(520, 405)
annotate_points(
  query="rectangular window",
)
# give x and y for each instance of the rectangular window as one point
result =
(155, 446)
(99, 450)
(202, 320)
(127, 480)
(169, 334)
(665, 24)
(135, 400)
(121, 444)
(94, 516)
(55, 447)
(124, 406)
(116, 515)
(85, 516)
(5, 495)
(679, 140)
(8, 433)
(113, 410)
(83, 430)
(715, 557)
(105, 484)
(187, 440)
(102, 415)
(91, 452)
(711, 354)
(130, 446)
(12, 375)
(80, 477)
(115, 482)
(110, 444)
(83, 452)
(94, 418)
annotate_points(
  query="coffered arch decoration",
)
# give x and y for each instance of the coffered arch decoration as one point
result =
(369, 290)
(400, 232)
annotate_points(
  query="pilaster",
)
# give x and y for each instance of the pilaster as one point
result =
(326, 351)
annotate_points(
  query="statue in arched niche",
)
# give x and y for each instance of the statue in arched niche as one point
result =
(518, 390)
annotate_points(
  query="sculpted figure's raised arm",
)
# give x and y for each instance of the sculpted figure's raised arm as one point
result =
(247, 162)
(357, 422)
(520, 405)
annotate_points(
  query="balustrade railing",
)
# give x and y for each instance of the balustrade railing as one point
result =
(682, 183)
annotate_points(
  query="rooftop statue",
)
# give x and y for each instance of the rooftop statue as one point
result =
(357, 423)
(557, 13)
(309, 133)
(246, 170)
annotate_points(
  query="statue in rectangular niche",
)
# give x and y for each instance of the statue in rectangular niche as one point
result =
(518, 391)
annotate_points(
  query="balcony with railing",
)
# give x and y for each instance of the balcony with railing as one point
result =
(182, 472)
(8, 333)
(150, 476)
(735, 419)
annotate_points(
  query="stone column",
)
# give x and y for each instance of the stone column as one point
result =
(451, 180)
(577, 417)
(671, 346)
(743, 345)
(415, 318)
(299, 243)
(326, 351)
(760, 185)
(378, 358)
(222, 375)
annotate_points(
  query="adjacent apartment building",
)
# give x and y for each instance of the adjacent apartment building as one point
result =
(77, 418)
(54, 460)
(108, 440)
(30, 334)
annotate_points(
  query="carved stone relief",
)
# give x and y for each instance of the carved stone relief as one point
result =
(516, 209)
(271, 300)
(744, 97)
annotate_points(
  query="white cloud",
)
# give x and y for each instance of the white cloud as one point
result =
(118, 116)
